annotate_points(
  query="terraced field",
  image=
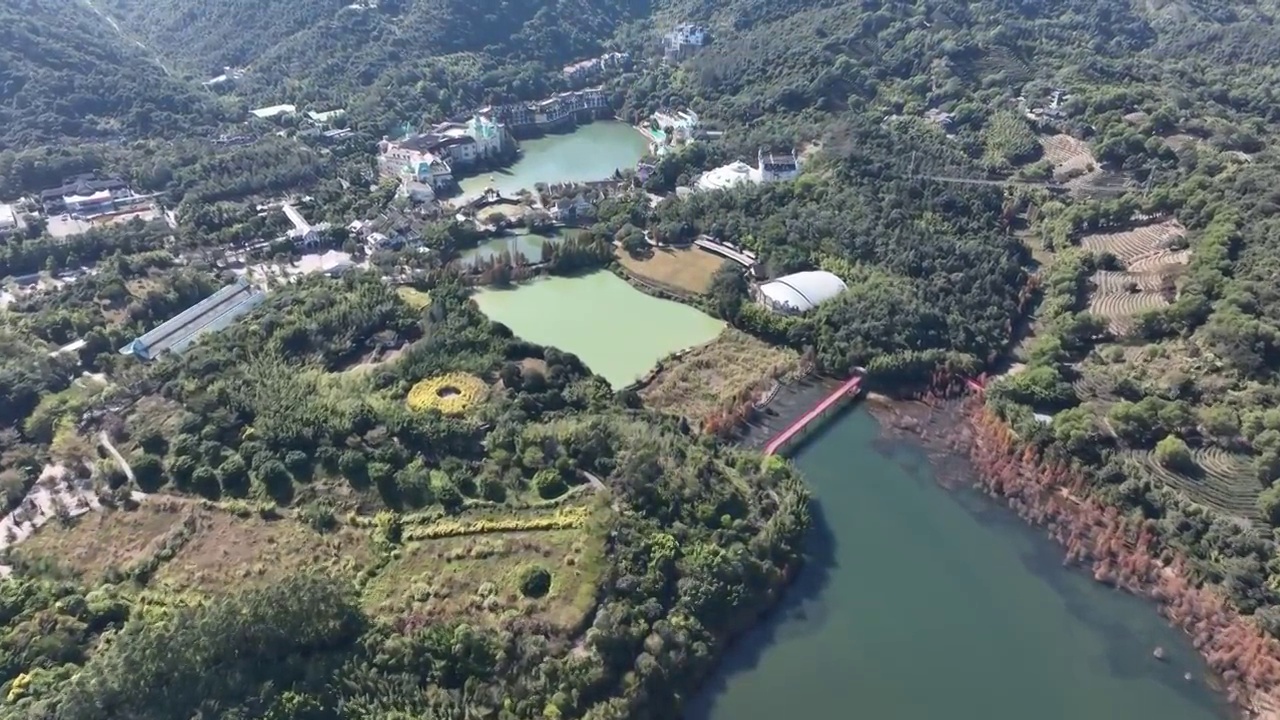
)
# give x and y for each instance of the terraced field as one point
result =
(1137, 244)
(1224, 481)
(1068, 155)
(1107, 282)
(1120, 308)
(1149, 260)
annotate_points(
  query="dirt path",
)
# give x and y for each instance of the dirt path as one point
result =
(124, 464)
(111, 21)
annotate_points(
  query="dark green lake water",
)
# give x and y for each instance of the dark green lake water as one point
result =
(921, 603)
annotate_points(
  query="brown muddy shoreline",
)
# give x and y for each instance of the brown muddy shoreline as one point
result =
(968, 445)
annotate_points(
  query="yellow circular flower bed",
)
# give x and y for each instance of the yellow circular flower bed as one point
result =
(451, 393)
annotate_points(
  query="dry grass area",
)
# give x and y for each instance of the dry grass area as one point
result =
(228, 550)
(478, 577)
(1071, 158)
(688, 269)
(212, 549)
(716, 374)
(414, 298)
(510, 211)
(90, 544)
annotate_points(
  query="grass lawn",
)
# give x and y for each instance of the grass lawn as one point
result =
(689, 269)
(416, 299)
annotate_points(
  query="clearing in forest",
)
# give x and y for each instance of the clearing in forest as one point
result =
(192, 545)
(484, 577)
(718, 374)
(484, 566)
(686, 269)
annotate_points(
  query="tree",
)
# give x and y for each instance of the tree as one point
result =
(1172, 452)
(635, 244)
(149, 472)
(535, 582)
(233, 473)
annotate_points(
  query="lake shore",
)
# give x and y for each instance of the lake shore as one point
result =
(968, 445)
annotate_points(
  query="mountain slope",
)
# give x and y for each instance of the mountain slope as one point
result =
(65, 74)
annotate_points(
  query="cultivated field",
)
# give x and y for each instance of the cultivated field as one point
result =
(687, 269)
(1220, 480)
(1136, 244)
(1147, 280)
(1070, 157)
(718, 374)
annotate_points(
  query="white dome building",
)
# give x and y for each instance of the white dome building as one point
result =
(731, 175)
(799, 292)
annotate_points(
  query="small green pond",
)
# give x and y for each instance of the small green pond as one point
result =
(591, 152)
(618, 331)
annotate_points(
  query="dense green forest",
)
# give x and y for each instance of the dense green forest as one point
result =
(65, 74)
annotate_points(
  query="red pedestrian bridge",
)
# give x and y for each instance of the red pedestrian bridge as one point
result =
(783, 442)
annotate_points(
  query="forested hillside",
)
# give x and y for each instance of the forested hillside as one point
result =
(65, 74)
(431, 56)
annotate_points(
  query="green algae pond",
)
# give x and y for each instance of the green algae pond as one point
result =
(591, 152)
(618, 331)
(923, 603)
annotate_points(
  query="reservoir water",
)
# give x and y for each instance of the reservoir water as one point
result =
(591, 152)
(921, 603)
(618, 331)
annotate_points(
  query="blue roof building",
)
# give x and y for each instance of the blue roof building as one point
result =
(209, 315)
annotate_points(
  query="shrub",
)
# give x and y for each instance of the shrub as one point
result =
(535, 582)
(549, 484)
(1174, 454)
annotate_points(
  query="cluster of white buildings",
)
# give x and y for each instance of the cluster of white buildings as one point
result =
(683, 41)
(551, 112)
(425, 163)
(587, 69)
(770, 167)
(671, 129)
